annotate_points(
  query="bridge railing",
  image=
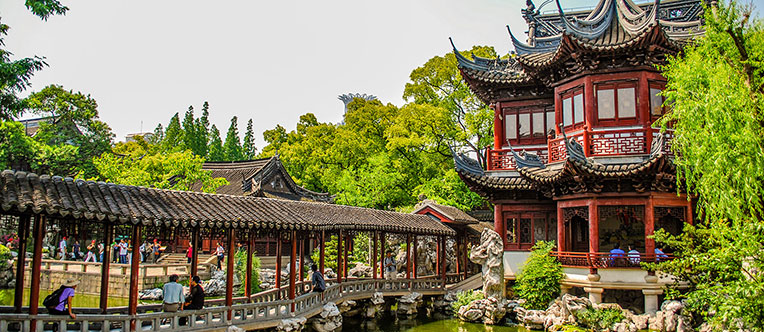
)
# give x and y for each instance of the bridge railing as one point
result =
(261, 311)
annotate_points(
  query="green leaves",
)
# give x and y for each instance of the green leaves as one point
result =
(715, 91)
(539, 280)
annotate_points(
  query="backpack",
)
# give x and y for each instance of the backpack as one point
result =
(54, 299)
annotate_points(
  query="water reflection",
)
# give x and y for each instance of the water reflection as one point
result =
(437, 323)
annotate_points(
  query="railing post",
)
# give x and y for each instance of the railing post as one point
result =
(105, 262)
(23, 233)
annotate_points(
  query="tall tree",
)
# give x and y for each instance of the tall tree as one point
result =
(158, 136)
(73, 121)
(203, 131)
(189, 131)
(232, 146)
(216, 146)
(15, 75)
(438, 83)
(173, 136)
(716, 93)
(248, 148)
(21, 152)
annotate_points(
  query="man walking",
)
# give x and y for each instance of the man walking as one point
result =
(91, 256)
(173, 295)
(62, 248)
(317, 280)
(123, 252)
(390, 272)
(76, 250)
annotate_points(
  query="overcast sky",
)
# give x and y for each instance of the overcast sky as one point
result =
(271, 61)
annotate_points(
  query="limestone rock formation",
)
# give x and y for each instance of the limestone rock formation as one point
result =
(488, 311)
(154, 294)
(329, 320)
(490, 254)
(291, 324)
(216, 285)
(671, 318)
(234, 328)
(409, 304)
(360, 270)
(374, 306)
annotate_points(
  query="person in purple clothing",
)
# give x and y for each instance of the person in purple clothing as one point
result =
(64, 306)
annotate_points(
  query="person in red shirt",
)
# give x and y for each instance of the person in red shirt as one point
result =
(190, 253)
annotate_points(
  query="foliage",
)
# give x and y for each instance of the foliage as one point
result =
(248, 147)
(599, 319)
(15, 74)
(330, 254)
(5, 257)
(439, 84)
(361, 248)
(216, 145)
(19, 151)
(240, 265)
(715, 92)
(232, 145)
(140, 164)
(73, 121)
(539, 279)
(466, 297)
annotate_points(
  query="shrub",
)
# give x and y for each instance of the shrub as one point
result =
(359, 254)
(539, 281)
(599, 319)
(5, 256)
(240, 265)
(464, 298)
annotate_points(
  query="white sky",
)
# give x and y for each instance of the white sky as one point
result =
(271, 61)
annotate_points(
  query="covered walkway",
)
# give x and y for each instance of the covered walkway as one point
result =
(37, 200)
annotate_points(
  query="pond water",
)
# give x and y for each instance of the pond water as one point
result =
(437, 323)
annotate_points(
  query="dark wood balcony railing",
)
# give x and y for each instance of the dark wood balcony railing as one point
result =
(596, 143)
(604, 260)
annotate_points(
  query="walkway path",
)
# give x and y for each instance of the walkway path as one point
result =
(266, 310)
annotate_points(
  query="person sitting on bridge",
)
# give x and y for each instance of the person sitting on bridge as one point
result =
(317, 279)
(390, 269)
(195, 299)
(659, 254)
(173, 295)
(634, 256)
(60, 301)
(617, 255)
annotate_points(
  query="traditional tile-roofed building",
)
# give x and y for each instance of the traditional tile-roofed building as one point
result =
(575, 157)
(265, 177)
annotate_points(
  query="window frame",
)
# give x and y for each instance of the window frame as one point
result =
(572, 93)
(617, 119)
(512, 221)
(660, 86)
(530, 110)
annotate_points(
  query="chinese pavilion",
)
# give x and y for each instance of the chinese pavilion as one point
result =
(576, 158)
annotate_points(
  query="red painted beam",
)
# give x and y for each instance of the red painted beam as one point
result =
(321, 254)
(339, 257)
(278, 261)
(135, 260)
(23, 234)
(230, 270)
(38, 232)
(292, 268)
(413, 260)
(374, 256)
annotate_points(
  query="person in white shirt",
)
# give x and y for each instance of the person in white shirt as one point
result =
(62, 248)
(123, 251)
(220, 253)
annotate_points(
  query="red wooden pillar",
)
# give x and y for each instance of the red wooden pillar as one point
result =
(408, 256)
(458, 254)
(292, 272)
(321, 254)
(649, 226)
(345, 260)
(135, 260)
(250, 252)
(38, 231)
(302, 260)
(23, 233)
(230, 270)
(382, 255)
(443, 259)
(498, 127)
(374, 256)
(105, 262)
(413, 261)
(437, 256)
(278, 261)
(194, 251)
(561, 245)
(339, 257)
(589, 113)
(498, 222)
(464, 253)
(688, 212)
(594, 226)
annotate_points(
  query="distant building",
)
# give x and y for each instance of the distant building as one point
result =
(131, 137)
(32, 125)
(348, 97)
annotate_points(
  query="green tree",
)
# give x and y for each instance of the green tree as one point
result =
(15, 75)
(203, 131)
(73, 121)
(438, 83)
(715, 92)
(248, 148)
(216, 146)
(173, 136)
(140, 164)
(232, 146)
(158, 136)
(21, 152)
(189, 131)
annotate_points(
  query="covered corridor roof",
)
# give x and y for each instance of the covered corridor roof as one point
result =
(23, 192)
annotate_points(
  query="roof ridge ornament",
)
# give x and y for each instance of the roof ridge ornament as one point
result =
(530, 160)
(463, 162)
(574, 148)
(596, 24)
(657, 146)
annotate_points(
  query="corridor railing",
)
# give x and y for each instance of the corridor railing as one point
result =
(604, 260)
